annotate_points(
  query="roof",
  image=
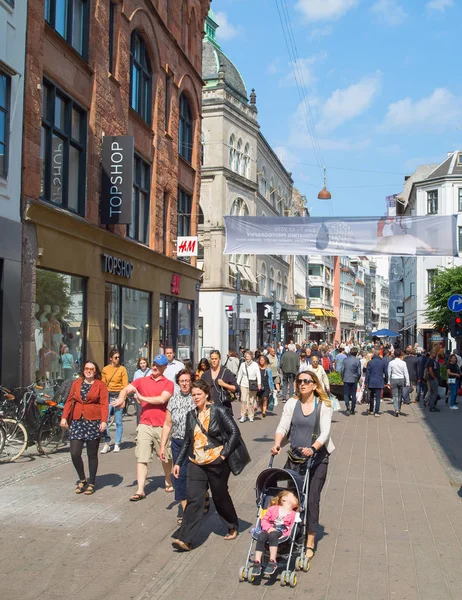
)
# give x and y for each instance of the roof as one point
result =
(421, 173)
(215, 60)
(451, 165)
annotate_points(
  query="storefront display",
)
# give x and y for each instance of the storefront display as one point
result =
(175, 326)
(59, 325)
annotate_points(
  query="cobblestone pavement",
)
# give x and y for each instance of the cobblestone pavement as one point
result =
(391, 524)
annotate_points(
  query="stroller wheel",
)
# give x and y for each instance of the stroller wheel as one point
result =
(250, 575)
(298, 563)
(306, 564)
(285, 578)
(293, 579)
(243, 572)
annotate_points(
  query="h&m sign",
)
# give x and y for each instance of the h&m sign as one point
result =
(117, 180)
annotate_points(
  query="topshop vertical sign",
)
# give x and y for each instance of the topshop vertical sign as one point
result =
(117, 182)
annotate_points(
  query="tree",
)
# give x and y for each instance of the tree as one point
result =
(447, 281)
(53, 289)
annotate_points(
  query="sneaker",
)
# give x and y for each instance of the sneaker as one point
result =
(271, 568)
(251, 420)
(376, 414)
(454, 407)
(242, 419)
(105, 449)
(434, 409)
(371, 412)
(263, 415)
(256, 568)
(397, 413)
(116, 448)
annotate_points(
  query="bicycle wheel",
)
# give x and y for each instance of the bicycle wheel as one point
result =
(15, 442)
(2, 438)
(50, 433)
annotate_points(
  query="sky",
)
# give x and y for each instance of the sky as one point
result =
(377, 81)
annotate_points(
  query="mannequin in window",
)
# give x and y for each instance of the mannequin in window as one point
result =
(56, 340)
(38, 336)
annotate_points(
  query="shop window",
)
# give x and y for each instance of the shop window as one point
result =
(185, 130)
(139, 226)
(62, 150)
(128, 324)
(175, 326)
(5, 84)
(140, 78)
(184, 213)
(59, 331)
(70, 19)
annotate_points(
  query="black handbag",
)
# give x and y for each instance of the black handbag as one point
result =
(253, 383)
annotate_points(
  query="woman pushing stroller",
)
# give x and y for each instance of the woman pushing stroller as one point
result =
(306, 420)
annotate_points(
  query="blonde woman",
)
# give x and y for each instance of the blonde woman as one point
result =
(363, 393)
(307, 421)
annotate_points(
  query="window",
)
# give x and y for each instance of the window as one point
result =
(279, 286)
(139, 227)
(4, 123)
(62, 150)
(70, 19)
(141, 78)
(112, 13)
(239, 208)
(232, 141)
(431, 274)
(271, 281)
(284, 289)
(315, 292)
(460, 238)
(184, 213)
(246, 172)
(185, 131)
(460, 200)
(432, 202)
(59, 325)
(262, 182)
(315, 270)
(263, 278)
(238, 158)
(168, 92)
(459, 159)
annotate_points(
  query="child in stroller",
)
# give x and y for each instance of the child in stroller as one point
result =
(276, 523)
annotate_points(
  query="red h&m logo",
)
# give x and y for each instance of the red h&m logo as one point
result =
(186, 246)
(176, 284)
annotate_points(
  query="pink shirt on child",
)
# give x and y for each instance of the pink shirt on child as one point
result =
(271, 519)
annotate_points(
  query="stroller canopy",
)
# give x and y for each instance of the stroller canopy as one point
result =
(284, 479)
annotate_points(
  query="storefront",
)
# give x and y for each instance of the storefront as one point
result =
(96, 291)
(10, 301)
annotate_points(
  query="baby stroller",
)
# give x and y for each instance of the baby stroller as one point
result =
(291, 549)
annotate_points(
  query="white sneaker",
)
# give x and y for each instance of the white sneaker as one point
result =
(105, 449)
(116, 448)
(454, 407)
(251, 420)
(242, 419)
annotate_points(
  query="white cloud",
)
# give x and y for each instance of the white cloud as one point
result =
(320, 32)
(348, 103)
(274, 67)
(440, 5)
(226, 30)
(439, 111)
(325, 10)
(389, 12)
(301, 70)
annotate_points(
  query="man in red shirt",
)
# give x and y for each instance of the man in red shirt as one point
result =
(153, 392)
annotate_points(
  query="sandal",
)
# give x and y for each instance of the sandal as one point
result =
(179, 521)
(137, 497)
(207, 503)
(231, 535)
(80, 486)
(90, 489)
(311, 550)
(169, 487)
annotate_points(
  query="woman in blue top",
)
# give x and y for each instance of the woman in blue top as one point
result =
(267, 384)
(67, 362)
(143, 370)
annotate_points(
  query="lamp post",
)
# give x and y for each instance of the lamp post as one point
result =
(238, 311)
(273, 317)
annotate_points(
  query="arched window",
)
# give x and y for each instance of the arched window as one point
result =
(262, 182)
(284, 289)
(263, 278)
(272, 193)
(279, 286)
(232, 142)
(246, 171)
(238, 157)
(140, 78)
(271, 281)
(239, 208)
(185, 130)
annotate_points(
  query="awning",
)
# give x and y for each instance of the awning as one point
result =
(329, 313)
(232, 266)
(243, 272)
(317, 312)
(427, 326)
(250, 275)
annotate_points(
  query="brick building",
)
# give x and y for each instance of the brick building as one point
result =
(96, 69)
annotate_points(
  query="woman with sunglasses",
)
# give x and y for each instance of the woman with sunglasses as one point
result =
(85, 414)
(307, 421)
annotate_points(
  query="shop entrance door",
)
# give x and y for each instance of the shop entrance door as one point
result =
(176, 326)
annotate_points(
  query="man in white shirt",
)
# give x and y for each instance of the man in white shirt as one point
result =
(398, 376)
(174, 366)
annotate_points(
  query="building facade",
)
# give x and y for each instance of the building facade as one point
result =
(109, 69)
(321, 294)
(13, 17)
(241, 175)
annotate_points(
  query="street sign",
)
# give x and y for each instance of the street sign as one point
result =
(455, 302)
(268, 310)
(436, 338)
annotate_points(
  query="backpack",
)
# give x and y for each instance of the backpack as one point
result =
(325, 364)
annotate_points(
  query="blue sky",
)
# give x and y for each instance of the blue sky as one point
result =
(383, 80)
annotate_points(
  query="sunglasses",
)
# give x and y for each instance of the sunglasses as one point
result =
(304, 381)
(115, 357)
(89, 369)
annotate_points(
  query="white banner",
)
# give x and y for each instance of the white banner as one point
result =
(343, 236)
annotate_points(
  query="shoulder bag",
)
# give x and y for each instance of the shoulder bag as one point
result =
(253, 383)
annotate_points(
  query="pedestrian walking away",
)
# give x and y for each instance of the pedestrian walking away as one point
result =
(398, 378)
(249, 382)
(153, 392)
(115, 376)
(350, 370)
(178, 408)
(453, 381)
(84, 414)
(432, 369)
(307, 421)
(142, 370)
(211, 435)
(267, 384)
(376, 379)
(290, 364)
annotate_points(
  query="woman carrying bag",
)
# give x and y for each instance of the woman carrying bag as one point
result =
(211, 440)
(267, 386)
(307, 421)
(249, 381)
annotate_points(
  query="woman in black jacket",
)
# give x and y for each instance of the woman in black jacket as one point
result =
(211, 436)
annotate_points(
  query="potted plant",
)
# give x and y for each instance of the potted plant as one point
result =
(336, 384)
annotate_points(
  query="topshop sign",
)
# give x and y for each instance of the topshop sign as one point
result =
(117, 180)
(117, 266)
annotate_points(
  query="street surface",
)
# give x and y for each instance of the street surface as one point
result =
(391, 522)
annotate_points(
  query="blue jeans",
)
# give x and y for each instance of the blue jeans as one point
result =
(453, 387)
(118, 413)
(349, 391)
(397, 389)
(288, 380)
(375, 392)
